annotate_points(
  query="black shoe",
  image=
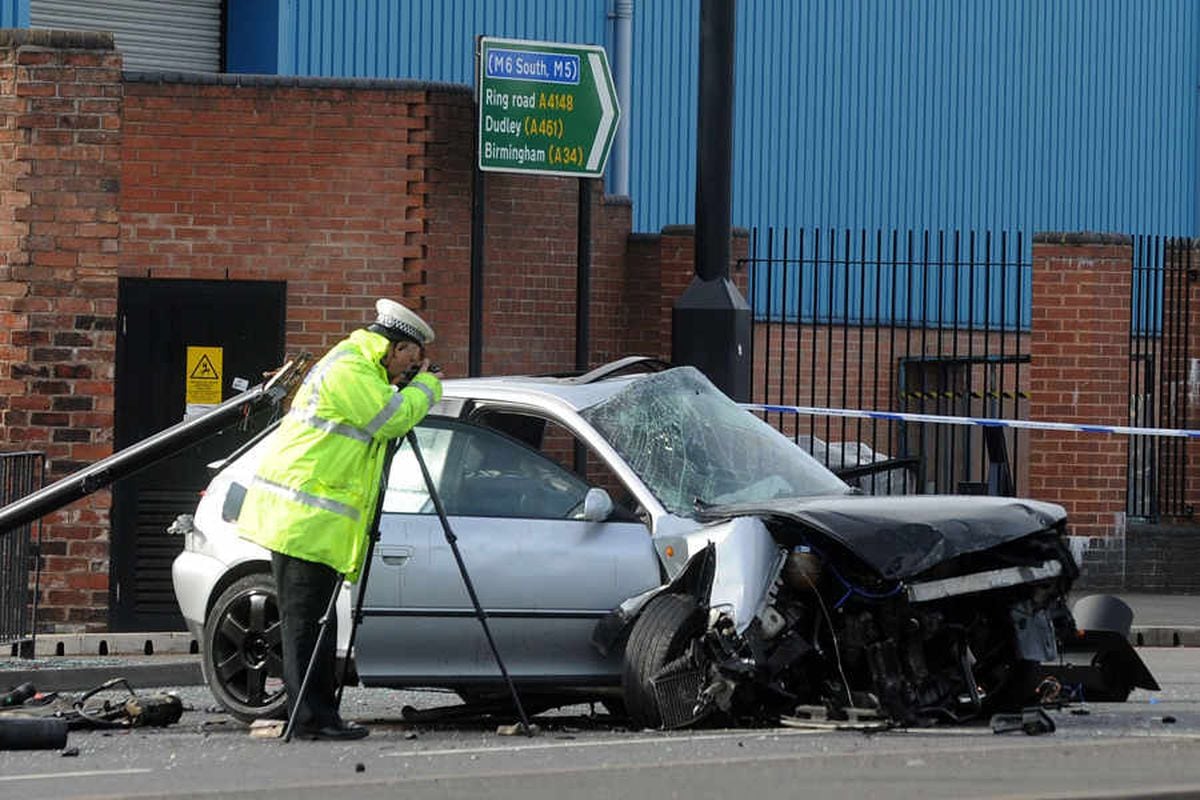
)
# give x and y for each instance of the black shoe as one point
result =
(345, 732)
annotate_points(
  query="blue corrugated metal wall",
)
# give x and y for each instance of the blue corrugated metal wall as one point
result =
(14, 13)
(430, 39)
(994, 114)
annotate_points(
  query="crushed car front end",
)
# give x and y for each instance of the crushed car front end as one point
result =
(893, 605)
(790, 593)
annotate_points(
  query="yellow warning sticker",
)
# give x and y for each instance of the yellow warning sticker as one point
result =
(204, 374)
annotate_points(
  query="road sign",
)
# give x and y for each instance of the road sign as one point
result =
(545, 108)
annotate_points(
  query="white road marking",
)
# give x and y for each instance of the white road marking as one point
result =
(895, 735)
(83, 774)
(643, 741)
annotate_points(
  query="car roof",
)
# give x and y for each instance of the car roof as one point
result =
(577, 391)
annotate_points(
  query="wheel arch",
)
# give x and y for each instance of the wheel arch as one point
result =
(695, 580)
(233, 574)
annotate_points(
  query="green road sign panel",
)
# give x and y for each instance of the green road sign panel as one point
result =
(545, 108)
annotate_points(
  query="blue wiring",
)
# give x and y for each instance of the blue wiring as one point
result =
(851, 589)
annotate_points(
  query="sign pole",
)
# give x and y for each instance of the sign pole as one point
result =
(478, 207)
(583, 292)
(583, 276)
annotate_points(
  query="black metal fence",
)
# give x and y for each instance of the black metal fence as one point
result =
(924, 322)
(1162, 381)
(20, 474)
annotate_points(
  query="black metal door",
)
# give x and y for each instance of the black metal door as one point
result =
(181, 345)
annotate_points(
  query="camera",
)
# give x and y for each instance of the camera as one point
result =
(414, 369)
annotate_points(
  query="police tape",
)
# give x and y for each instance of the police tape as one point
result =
(982, 422)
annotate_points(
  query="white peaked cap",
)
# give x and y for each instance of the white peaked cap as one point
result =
(397, 322)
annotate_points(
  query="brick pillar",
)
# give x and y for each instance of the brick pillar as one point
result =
(1079, 373)
(677, 267)
(60, 127)
(446, 212)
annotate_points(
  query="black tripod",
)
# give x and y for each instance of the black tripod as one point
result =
(452, 540)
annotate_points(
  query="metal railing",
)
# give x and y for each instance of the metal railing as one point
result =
(1162, 376)
(924, 322)
(20, 475)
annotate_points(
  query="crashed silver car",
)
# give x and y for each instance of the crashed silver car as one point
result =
(637, 538)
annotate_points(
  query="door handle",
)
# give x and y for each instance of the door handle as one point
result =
(395, 556)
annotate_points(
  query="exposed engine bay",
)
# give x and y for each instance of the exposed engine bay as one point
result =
(902, 609)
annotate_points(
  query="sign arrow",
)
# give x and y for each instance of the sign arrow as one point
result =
(607, 117)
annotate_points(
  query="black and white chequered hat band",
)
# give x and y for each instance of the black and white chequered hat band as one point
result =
(397, 320)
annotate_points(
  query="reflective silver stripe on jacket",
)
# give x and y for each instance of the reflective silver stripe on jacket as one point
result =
(323, 503)
(316, 377)
(383, 416)
(308, 414)
(428, 392)
(340, 428)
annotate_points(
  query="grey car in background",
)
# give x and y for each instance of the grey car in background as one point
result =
(637, 538)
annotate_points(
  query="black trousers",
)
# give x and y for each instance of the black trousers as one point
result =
(304, 589)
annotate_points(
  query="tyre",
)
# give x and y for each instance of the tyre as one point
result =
(243, 659)
(615, 707)
(663, 632)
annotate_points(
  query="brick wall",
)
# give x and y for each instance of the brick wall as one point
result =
(644, 285)
(346, 190)
(616, 285)
(321, 185)
(60, 183)
(1080, 373)
(529, 273)
(447, 213)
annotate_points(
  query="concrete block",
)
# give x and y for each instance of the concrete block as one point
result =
(115, 644)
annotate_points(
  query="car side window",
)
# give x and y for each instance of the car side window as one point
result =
(479, 472)
(406, 490)
(560, 445)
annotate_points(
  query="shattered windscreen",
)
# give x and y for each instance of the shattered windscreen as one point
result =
(695, 448)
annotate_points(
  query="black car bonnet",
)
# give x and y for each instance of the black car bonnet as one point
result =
(901, 537)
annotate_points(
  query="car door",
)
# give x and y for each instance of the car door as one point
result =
(543, 575)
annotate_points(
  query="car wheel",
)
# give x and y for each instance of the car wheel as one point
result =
(661, 634)
(243, 659)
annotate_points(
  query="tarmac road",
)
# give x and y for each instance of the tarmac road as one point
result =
(1146, 747)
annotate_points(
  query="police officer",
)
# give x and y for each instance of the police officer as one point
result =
(315, 490)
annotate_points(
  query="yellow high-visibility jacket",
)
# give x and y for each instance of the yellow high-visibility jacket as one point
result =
(315, 490)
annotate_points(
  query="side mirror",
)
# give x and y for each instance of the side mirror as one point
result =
(597, 505)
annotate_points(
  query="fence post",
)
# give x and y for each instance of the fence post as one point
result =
(1079, 372)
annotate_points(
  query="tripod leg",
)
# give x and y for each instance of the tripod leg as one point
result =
(330, 610)
(374, 533)
(452, 540)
